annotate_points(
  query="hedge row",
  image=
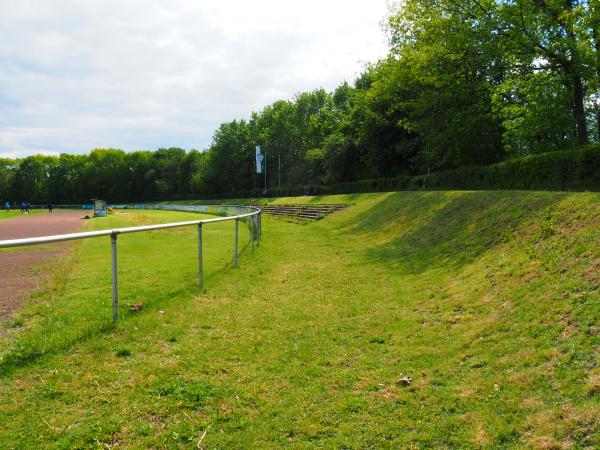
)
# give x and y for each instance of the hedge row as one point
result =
(569, 170)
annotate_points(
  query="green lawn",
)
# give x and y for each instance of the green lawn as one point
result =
(487, 301)
(14, 213)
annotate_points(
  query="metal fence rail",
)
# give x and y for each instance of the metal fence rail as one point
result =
(249, 214)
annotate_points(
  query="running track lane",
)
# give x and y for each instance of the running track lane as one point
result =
(17, 276)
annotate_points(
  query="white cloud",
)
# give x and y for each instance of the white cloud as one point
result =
(144, 74)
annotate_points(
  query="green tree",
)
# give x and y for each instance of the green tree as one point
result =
(551, 36)
(535, 111)
(7, 172)
(65, 179)
(142, 174)
(106, 175)
(230, 160)
(167, 180)
(377, 126)
(31, 178)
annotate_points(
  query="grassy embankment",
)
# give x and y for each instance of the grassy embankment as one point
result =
(487, 301)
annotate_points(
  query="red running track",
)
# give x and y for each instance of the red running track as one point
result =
(18, 277)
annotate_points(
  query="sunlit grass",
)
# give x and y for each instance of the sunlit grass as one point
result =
(451, 319)
(16, 212)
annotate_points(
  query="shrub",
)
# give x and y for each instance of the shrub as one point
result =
(123, 352)
(568, 170)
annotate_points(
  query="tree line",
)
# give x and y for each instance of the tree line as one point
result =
(110, 174)
(465, 83)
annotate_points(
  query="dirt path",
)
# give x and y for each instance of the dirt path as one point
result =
(17, 275)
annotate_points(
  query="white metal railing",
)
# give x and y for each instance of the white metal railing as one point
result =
(254, 218)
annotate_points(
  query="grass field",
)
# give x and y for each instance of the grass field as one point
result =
(14, 213)
(408, 320)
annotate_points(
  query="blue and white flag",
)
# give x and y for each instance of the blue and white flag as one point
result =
(260, 160)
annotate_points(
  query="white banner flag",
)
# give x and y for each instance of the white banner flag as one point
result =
(260, 160)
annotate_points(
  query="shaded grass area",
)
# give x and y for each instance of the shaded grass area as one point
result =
(487, 302)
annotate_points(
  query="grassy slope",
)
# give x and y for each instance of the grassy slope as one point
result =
(489, 301)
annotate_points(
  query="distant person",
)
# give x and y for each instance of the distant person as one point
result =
(50, 208)
(23, 207)
(28, 206)
(7, 206)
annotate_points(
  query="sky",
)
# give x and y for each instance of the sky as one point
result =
(144, 74)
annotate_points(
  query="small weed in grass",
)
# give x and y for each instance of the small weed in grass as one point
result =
(354, 405)
(547, 224)
(123, 352)
(18, 322)
(21, 354)
(191, 394)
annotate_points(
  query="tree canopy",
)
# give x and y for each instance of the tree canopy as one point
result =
(465, 83)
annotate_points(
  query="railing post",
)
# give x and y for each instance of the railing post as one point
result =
(260, 226)
(255, 217)
(115, 286)
(252, 235)
(257, 229)
(200, 263)
(235, 253)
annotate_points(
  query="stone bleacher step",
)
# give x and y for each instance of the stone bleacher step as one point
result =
(302, 212)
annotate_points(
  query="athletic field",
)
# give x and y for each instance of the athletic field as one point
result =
(406, 320)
